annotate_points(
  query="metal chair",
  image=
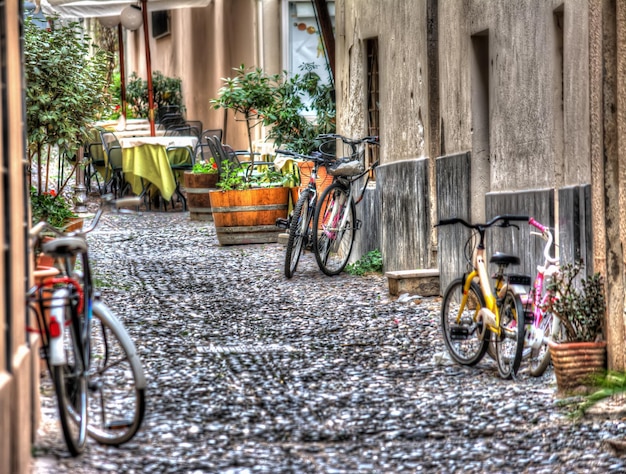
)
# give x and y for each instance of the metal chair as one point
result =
(181, 159)
(115, 175)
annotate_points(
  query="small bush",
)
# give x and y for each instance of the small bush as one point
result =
(371, 262)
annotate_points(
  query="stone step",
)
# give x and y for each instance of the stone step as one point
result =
(423, 282)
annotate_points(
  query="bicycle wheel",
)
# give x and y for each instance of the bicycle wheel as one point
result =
(540, 358)
(463, 337)
(69, 378)
(298, 233)
(510, 342)
(116, 381)
(334, 226)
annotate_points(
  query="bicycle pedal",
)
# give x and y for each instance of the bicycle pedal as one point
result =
(459, 333)
(357, 224)
(282, 223)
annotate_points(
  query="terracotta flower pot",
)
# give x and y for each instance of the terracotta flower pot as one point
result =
(575, 363)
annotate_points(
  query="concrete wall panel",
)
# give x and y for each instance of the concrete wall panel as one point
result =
(575, 225)
(368, 211)
(453, 198)
(533, 203)
(405, 215)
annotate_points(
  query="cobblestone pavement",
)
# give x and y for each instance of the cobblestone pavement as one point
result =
(249, 372)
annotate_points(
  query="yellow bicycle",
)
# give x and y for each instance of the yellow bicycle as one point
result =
(475, 314)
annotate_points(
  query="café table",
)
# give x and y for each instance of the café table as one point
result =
(145, 162)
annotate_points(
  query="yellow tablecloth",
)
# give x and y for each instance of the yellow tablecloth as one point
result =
(145, 158)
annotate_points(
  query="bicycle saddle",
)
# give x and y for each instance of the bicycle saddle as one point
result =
(64, 246)
(500, 258)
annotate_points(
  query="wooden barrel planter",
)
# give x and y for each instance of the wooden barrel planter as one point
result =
(575, 363)
(248, 216)
(197, 187)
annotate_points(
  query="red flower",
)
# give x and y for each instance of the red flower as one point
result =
(52, 193)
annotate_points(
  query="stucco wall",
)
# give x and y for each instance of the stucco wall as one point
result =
(398, 25)
(204, 46)
(527, 147)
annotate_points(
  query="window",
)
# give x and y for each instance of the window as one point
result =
(373, 97)
(160, 24)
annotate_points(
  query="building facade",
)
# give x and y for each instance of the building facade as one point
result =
(491, 107)
(18, 376)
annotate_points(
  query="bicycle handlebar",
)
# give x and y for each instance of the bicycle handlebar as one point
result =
(546, 235)
(315, 156)
(505, 218)
(371, 139)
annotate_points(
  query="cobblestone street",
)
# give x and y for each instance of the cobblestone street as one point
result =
(250, 372)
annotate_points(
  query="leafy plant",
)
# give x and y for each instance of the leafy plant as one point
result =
(579, 303)
(248, 93)
(280, 102)
(65, 93)
(371, 262)
(205, 167)
(167, 92)
(286, 117)
(232, 177)
(50, 207)
(271, 178)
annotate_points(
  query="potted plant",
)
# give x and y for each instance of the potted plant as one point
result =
(198, 182)
(245, 208)
(579, 303)
(280, 103)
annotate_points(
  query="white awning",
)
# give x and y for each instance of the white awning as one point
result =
(96, 8)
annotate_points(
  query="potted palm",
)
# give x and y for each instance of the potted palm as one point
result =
(579, 303)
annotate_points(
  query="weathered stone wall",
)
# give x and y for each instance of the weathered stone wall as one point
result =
(527, 78)
(405, 229)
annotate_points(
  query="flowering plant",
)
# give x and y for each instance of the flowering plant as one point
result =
(206, 167)
(50, 207)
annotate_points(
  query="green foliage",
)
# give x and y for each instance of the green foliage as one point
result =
(271, 178)
(279, 101)
(49, 207)
(232, 177)
(205, 167)
(65, 89)
(371, 262)
(609, 385)
(289, 126)
(167, 91)
(579, 303)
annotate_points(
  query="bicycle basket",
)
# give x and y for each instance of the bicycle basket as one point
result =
(346, 166)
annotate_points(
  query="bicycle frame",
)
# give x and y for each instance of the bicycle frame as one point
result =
(490, 313)
(550, 266)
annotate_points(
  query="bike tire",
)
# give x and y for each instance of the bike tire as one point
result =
(298, 233)
(70, 385)
(332, 245)
(463, 340)
(117, 384)
(510, 342)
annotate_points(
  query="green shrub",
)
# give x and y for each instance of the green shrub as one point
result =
(371, 262)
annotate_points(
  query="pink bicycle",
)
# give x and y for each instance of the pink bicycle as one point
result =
(541, 326)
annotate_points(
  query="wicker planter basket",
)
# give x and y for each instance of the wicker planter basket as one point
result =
(575, 363)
